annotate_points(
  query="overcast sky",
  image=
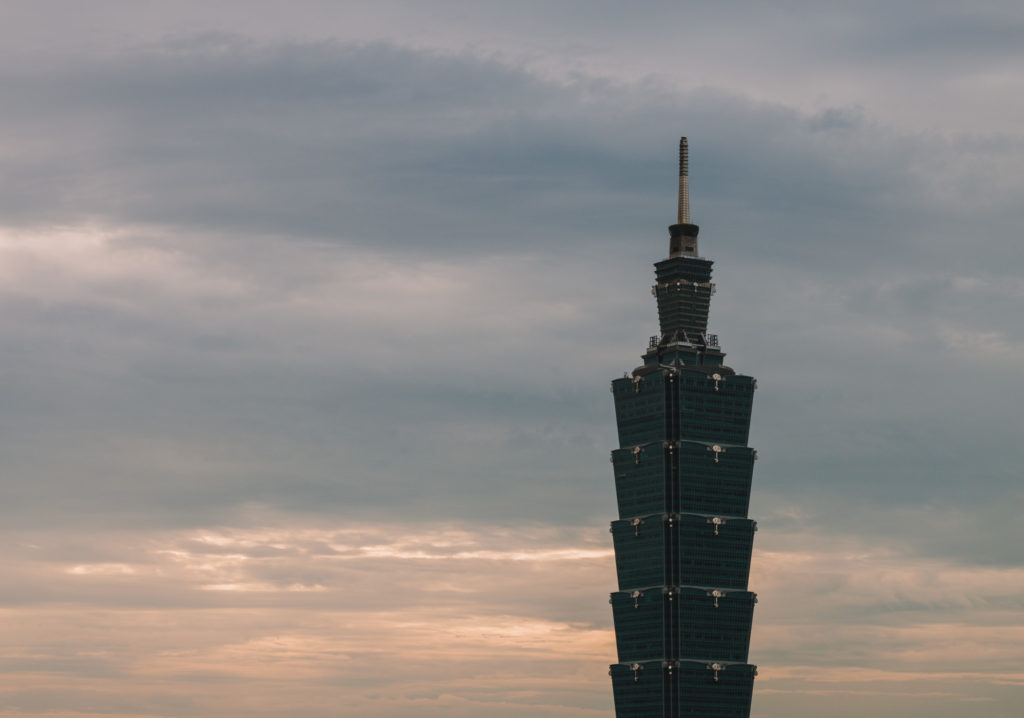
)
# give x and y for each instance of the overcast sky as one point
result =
(308, 312)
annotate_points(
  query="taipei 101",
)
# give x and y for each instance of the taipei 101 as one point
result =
(309, 313)
(682, 476)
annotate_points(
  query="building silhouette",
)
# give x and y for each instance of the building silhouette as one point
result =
(682, 478)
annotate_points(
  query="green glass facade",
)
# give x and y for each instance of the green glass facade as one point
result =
(683, 539)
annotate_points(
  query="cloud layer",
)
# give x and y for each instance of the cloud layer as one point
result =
(306, 335)
(457, 619)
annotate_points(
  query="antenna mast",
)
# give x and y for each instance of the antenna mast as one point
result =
(683, 234)
(684, 182)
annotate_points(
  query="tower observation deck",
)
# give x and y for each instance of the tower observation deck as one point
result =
(683, 539)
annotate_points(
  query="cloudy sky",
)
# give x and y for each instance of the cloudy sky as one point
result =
(308, 312)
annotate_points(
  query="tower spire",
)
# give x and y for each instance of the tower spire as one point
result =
(683, 235)
(684, 182)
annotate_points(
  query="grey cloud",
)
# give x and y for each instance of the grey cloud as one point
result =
(389, 141)
(363, 283)
(296, 195)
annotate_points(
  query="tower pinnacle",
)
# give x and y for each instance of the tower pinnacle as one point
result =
(683, 234)
(684, 182)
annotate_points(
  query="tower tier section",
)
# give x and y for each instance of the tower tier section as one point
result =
(683, 477)
(682, 622)
(682, 689)
(683, 550)
(683, 291)
(709, 404)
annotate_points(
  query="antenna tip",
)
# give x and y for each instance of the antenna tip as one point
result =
(684, 158)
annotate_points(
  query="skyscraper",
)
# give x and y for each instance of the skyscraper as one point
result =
(682, 477)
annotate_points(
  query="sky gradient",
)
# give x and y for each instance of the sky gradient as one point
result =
(308, 312)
